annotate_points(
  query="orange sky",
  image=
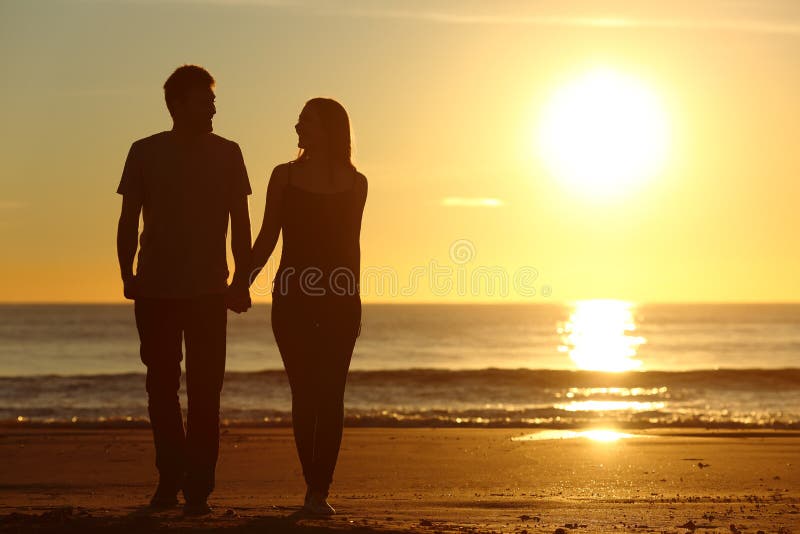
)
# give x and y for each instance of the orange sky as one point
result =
(444, 99)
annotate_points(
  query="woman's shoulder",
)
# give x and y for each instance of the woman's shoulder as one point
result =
(283, 167)
(280, 174)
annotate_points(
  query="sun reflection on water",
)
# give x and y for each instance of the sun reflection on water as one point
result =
(602, 435)
(610, 406)
(599, 336)
(611, 399)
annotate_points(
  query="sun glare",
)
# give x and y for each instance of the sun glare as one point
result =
(599, 336)
(603, 133)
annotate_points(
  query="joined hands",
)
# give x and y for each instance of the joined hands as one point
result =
(237, 298)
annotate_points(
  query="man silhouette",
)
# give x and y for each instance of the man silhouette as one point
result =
(186, 183)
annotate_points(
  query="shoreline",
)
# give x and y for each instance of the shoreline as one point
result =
(415, 479)
(8, 428)
(723, 429)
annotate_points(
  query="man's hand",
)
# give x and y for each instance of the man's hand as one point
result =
(129, 287)
(237, 298)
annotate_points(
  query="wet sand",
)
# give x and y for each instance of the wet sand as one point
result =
(420, 480)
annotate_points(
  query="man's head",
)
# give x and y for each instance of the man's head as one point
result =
(189, 92)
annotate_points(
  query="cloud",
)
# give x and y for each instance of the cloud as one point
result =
(472, 202)
(745, 25)
(12, 205)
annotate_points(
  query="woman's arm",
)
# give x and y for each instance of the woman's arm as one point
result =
(271, 225)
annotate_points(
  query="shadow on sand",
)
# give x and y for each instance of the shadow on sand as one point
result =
(82, 520)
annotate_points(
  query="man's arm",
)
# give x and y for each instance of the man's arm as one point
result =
(127, 241)
(238, 295)
(241, 241)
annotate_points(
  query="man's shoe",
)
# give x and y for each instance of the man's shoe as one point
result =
(166, 496)
(163, 502)
(196, 508)
(317, 504)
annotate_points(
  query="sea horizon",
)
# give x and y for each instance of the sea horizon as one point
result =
(455, 302)
(545, 365)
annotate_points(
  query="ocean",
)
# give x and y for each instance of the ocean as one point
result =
(609, 364)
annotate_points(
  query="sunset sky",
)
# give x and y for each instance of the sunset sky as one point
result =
(447, 102)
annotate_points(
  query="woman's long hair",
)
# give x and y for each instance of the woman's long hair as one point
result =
(336, 123)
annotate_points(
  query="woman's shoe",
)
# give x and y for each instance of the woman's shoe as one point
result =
(317, 504)
(196, 508)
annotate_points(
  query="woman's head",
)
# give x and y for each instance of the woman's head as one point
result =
(324, 128)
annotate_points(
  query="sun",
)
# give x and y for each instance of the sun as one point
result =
(603, 132)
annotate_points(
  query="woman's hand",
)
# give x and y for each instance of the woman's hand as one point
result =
(237, 298)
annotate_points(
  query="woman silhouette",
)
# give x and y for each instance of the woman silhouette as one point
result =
(317, 200)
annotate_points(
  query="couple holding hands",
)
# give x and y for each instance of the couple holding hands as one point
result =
(186, 183)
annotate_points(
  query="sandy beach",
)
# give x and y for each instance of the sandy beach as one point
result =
(421, 480)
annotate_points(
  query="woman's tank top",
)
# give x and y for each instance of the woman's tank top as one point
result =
(321, 253)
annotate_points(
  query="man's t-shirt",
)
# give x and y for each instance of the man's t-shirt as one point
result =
(186, 186)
